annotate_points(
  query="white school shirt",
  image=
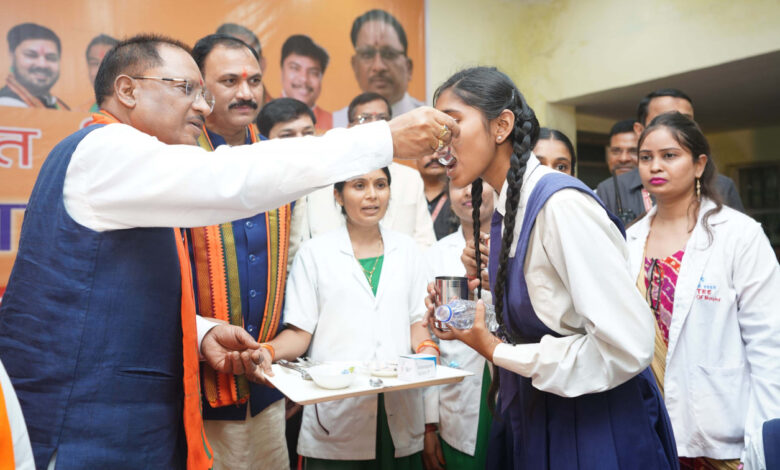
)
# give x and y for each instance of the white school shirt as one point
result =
(119, 177)
(407, 213)
(722, 377)
(580, 286)
(458, 404)
(328, 295)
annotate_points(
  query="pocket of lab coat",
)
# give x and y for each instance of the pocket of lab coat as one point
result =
(720, 401)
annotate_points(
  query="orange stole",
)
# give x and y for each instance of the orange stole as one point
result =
(199, 454)
(219, 292)
(6, 438)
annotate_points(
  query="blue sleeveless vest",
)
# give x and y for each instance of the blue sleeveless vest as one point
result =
(90, 333)
(625, 427)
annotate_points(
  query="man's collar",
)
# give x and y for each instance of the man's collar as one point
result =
(217, 139)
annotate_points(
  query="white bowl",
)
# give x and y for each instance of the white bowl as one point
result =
(331, 376)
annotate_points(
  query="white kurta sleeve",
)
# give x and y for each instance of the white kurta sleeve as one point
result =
(119, 177)
(301, 307)
(756, 277)
(588, 255)
(203, 326)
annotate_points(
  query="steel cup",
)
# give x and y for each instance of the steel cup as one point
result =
(451, 287)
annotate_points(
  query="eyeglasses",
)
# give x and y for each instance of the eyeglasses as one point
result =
(387, 54)
(370, 117)
(190, 89)
(656, 273)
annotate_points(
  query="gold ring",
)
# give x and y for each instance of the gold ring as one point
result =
(444, 131)
(441, 145)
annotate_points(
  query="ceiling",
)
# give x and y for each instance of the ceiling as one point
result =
(739, 94)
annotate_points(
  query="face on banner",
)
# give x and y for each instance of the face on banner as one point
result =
(380, 62)
(302, 78)
(36, 65)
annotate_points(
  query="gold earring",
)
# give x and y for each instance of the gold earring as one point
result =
(698, 189)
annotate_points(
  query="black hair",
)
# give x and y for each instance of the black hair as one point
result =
(339, 187)
(491, 92)
(25, 31)
(281, 110)
(379, 15)
(688, 134)
(622, 127)
(101, 39)
(364, 98)
(546, 133)
(233, 29)
(206, 44)
(131, 57)
(641, 112)
(303, 45)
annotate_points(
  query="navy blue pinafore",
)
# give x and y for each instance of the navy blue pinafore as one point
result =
(626, 427)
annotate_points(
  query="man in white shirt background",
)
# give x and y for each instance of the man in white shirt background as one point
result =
(380, 63)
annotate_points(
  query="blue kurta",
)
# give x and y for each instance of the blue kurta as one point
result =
(625, 427)
(251, 238)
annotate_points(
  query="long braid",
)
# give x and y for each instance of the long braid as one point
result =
(524, 136)
(476, 201)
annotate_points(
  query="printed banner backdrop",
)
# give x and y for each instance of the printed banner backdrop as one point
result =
(28, 134)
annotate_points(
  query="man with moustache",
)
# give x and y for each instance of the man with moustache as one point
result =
(245, 34)
(96, 50)
(244, 421)
(380, 62)
(98, 330)
(434, 176)
(621, 152)
(407, 211)
(624, 194)
(303, 65)
(35, 65)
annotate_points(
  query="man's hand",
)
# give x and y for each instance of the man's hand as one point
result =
(433, 457)
(230, 349)
(418, 132)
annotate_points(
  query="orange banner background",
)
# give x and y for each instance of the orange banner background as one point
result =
(76, 22)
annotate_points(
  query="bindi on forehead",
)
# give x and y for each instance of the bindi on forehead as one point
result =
(244, 73)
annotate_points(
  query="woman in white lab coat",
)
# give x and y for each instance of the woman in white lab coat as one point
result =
(573, 347)
(713, 284)
(462, 413)
(357, 294)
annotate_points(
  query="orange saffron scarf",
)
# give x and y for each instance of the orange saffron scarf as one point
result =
(215, 268)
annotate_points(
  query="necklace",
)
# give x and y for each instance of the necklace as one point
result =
(370, 274)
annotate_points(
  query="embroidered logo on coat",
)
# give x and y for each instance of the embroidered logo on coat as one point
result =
(705, 291)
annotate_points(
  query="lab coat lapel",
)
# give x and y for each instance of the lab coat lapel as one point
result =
(637, 240)
(694, 261)
(387, 263)
(345, 247)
